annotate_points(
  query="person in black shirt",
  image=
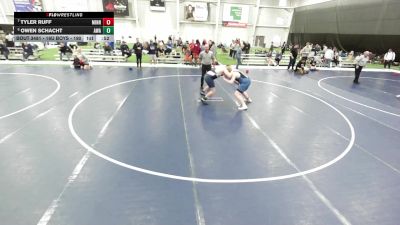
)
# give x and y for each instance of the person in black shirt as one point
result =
(138, 48)
(153, 51)
(283, 48)
(125, 49)
(4, 50)
(293, 56)
(65, 50)
(28, 51)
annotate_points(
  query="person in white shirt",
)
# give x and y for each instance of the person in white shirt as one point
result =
(360, 62)
(10, 40)
(389, 58)
(328, 57)
(306, 50)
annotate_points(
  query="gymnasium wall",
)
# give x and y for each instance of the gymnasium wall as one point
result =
(270, 19)
(350, 25)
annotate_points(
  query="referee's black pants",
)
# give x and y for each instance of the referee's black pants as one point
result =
(204, 70)
(357, 73)
(387, 63)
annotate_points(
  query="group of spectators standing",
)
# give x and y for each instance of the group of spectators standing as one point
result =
(190, 51)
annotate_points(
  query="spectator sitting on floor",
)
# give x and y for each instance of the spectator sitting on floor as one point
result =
(4, 50)
(313, 64)
(28, 51)
(301, 67)
(65, 50)
(125, 50)
(107, 49)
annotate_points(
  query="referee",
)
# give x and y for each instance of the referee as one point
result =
(206, 58)
(360, 62)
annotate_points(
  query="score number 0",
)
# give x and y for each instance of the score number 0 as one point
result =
(108, 21)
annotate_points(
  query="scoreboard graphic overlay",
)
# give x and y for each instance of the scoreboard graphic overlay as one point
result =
(64, 26)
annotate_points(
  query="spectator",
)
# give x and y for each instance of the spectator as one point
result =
(188, 56)
(278, 58)
(335, 57)
(138, 48)
(4, 50)
(213, 48)
(153, 51)
(306, 50)
(161, 48)
(107, 49)
(271, 48)
(232, 49)
(28, 51)
(10, 40)
(324, 49)
(179, 42)
(389, 58)
(203, 45)
(196, 51)
(301, 66)
(248, 47)
(328, 57)
(283, 49)
(313, 64)
(350, 56)
(293, 56)
(238, 56)
(317, 48)
(65, 50)
(270, 60)
(125, 50)
(169, 46)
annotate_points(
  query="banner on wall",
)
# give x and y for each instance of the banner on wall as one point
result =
(28, 5)
(119, 7)
(235, 15)
(196, 11)
(157, 5)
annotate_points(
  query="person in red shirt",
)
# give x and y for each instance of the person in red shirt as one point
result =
(196, 51)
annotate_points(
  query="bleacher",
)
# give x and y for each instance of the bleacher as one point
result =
(173, 58)
(263, 59)
(97, 55)
(16, 53)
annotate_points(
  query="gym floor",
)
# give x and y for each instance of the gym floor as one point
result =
(124, 146)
